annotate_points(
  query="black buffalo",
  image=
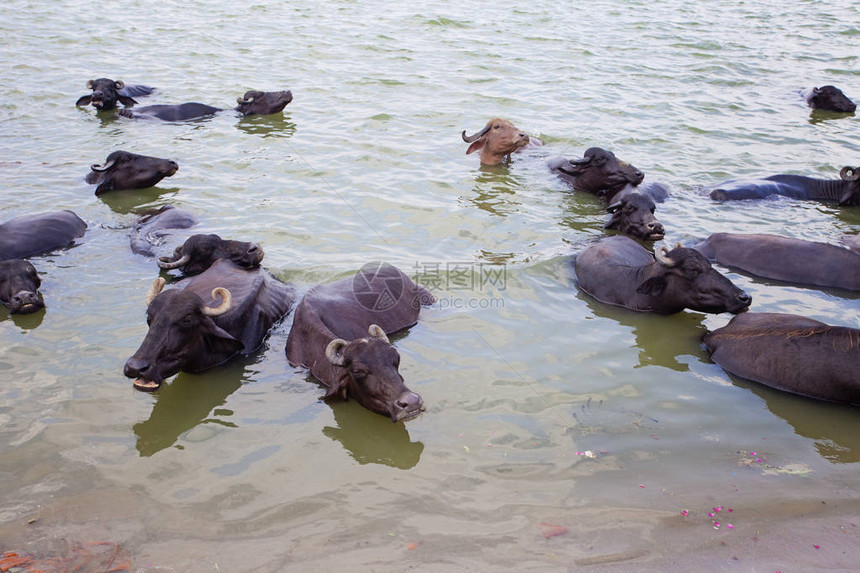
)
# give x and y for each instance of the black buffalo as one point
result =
(618, 270)
(107, 92)
(791, 353)
(125, 170)
(151, 229)
(829, 98)
(845, 191)
(252, 103)
(19, 286)
(618, 183)
(206, 320)
(199, 252)
(633, 215)
(785, 259)
(30, 235)
(340, 333)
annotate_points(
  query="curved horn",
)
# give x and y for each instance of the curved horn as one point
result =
(333, 351)
(662, 257)
(99, 168)
(166, 264)
(850, 173)
(241, 99)
(614, 207)
(375, 331)
(154, 290)
(89, 84)
(475, 137)
(119, 84)
(583, 161)
(226, 301)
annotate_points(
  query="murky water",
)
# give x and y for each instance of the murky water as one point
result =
(242, 468)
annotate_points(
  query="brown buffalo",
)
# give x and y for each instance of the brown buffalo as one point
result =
(497, 140)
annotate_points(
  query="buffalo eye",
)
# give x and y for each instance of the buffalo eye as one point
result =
(359, 375)
(187, 321)
(693, 271)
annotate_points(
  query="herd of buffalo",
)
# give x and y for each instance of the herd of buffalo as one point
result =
(225, 303)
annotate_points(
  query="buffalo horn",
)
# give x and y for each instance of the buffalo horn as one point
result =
(226, 300)
(241, 99)
(662, 256)
(166, 264)
(471, 138)
(583, 161)
(105, 167)
(154, 289)
(614, 207)
(376, 331)
(89, 84)
(119, 84)
(333, 351)
(850, 173)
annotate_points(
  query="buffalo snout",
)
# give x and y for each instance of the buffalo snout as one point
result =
(407, 406)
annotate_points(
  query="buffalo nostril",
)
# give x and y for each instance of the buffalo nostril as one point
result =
(744, 297)
(409, 401)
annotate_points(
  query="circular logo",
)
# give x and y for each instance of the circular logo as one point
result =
(377, 286)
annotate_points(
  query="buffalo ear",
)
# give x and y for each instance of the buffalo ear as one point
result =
(84, 100)
(476, 146)
(612, 223)
(653, 286)
(105, 187)
(127, 101)
(220, 341)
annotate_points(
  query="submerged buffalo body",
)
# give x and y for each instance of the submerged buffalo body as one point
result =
(206, 320)
(30, 235)
(106, 93)
(19, 287)
(339, 333)
(618, 270)
(151, 229)
(125, 170)
(791, 353)
(497, 140)
(845, 191)
(252, 103)
(785, 259)
(829, 98)
(200, 251)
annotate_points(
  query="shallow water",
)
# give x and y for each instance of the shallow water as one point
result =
(242, 468)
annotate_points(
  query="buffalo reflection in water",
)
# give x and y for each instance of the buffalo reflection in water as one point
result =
(372, 439)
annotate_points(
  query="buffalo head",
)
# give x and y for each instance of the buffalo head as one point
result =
(829, 98)
(182, 336)
(633, 215)
(125, 170)
(263, 103)
(684, 278)
(19, 286)
(600, 172)
(370, 375)
(199, 252)
(105, 94)
(497, 140)
(851, 193)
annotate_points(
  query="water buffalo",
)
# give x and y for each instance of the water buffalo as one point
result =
(199, 252)
(150, 229)
(252, 103)
(829, 98)
(785, 259)
(497, 140)
(125, 170)
(633, 215)
(19, 286)
(340, 333)
(30, 235)
(845, 191)
(599, 172)
(618, 270)
(107, 92)
(206, 320)
(791, 353)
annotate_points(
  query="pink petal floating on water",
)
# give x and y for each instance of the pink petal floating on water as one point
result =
(730, 526)
(817, 546)
(551, 529)
(684, 513)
